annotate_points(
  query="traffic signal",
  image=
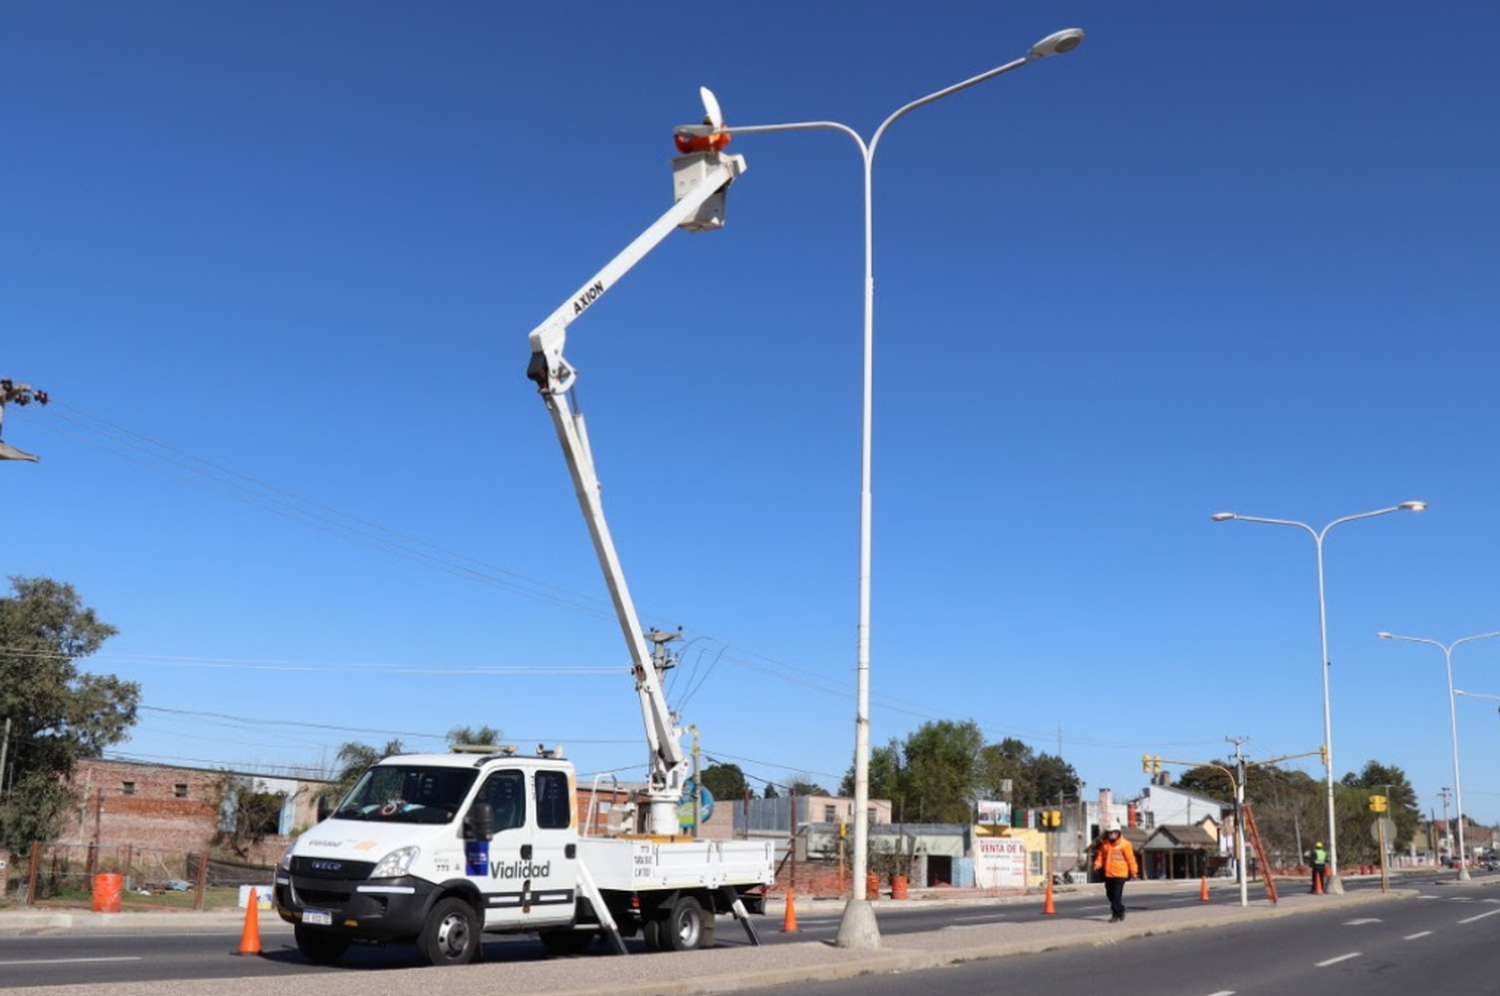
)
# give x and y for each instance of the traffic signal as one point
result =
(1377, 804)
(1323, 753)
(1151, 765)
(1049, 820)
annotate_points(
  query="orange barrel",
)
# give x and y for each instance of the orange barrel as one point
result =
(872, 886)
(107, 890)
(898, 886)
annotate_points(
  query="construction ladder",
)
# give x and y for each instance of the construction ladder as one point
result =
(1260, 852)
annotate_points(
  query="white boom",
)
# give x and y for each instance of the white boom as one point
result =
(700, 181)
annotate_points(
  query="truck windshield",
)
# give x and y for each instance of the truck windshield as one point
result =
(399, 793)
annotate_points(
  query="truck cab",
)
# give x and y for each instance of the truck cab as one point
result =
(436, 848)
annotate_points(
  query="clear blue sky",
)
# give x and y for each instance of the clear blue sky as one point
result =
(276, 263)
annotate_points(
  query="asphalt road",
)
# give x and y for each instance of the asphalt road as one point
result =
(1436, 945)
(101, 957)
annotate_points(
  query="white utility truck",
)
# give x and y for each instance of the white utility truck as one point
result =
(438, 848)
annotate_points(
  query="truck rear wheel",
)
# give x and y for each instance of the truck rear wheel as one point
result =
(451, 934)
(320, 946)
(686, 927)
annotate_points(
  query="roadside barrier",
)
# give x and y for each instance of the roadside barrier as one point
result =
(107, 889)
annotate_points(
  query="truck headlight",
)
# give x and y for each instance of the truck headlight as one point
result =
(285, 864)
(395, 864)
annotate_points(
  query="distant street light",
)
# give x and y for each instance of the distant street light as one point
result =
(1458, 785)
(1335, 884)
(858, 928)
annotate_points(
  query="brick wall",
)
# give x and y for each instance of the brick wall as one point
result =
(161, 807)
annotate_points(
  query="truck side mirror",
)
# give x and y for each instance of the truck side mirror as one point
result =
(325, 808)
(480, 823)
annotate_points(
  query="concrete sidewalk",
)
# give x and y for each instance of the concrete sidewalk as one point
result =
(723, 969)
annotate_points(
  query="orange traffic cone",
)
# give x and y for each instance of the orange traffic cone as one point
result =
(1047, 907)
(789, 921)
(1203, 888)
(250, 937)
(1317, 884)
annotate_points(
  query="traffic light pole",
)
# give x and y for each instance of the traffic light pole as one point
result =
(1152, 765)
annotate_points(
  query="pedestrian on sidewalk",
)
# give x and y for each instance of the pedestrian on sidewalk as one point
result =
(1116, 858)
(1319, 863)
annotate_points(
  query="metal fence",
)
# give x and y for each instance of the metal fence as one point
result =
(64, 874)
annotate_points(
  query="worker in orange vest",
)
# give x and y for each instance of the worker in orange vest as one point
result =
(1116, 858)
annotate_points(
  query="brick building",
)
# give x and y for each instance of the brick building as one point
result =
(178, 809)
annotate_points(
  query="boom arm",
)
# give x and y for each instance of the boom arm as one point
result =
(700, 181)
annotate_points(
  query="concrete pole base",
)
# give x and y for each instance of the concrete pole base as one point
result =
(857, 928)
(1335, 885)
(1463, 874)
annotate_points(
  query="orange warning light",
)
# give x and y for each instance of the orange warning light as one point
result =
(700, 143)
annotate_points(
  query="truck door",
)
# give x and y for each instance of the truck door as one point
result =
(555, 851)
(496, 865)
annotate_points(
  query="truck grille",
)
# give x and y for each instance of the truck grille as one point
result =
(332, 868)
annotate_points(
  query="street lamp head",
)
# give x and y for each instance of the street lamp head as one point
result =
(1223, 516)
(1058, 42)
(1412, 506)
(1385, 636)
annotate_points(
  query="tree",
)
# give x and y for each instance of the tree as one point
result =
(482, 736)
(254, 813)
(805, 788)
(1391, 782)
(58, 715)
(941, 768)
(884, 774)
(724, 781)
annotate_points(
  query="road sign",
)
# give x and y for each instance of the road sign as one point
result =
(1389, 826)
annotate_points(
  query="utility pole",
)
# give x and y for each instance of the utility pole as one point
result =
(1239, 818)
(1447, 826)
(20, 394)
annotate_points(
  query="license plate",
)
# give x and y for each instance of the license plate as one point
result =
(320, 917)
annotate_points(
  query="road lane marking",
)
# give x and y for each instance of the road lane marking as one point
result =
(1427, 897)
(980, 916)
(1480, 916)
(1413, 937)
(1335, 961)
(1223, 992)
(1362, 920)
(72, 961)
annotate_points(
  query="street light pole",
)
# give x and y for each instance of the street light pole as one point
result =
(1335, 884)
(1458, 785)
(857, 929)
(1475, 695)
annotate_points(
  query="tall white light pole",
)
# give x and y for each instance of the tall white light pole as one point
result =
(1458, 786)
(1335, 885)
(857, 928)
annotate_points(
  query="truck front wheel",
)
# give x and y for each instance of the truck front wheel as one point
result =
(320, 946)
(451, 934)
